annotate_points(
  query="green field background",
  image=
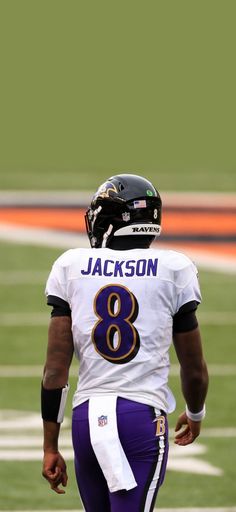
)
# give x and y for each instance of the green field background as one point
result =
(92, 88)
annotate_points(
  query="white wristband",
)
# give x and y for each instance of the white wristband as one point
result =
(196, 416)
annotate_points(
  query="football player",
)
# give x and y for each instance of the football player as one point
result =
(118, 306)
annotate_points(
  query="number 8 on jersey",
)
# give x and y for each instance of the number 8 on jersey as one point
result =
(114, 336)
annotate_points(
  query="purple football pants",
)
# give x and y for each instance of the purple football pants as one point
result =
(145, 443)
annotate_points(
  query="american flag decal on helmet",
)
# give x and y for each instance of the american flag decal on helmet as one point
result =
(102, 421)
(141, 203)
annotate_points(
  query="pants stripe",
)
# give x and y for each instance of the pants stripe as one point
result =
(155, 480)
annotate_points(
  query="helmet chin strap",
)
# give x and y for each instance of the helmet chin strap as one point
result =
(106, 235)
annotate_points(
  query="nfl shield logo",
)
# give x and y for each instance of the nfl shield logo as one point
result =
(126, 216)
(102, 421)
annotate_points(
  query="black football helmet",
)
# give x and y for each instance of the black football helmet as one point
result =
(124, 205)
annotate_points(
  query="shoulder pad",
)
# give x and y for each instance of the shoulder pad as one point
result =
(68, 257)
(177, 267)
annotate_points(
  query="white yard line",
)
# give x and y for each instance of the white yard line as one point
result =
(187, 460)
(21, 440)
(15, 198)
(25, 371)
(58, 198)
(24, 319)
(215, 370)
(37, 318)
(41, 237)
(210, 261)
(23, 277)
(64, 240)
(35, 441)
(224, 432)
(217, 317)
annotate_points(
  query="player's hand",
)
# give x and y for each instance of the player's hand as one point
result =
(190, 431)
(54, 470)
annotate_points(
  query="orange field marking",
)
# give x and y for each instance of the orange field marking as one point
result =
(73, 220)
(54, 218)
(199, 223)
(174, 223)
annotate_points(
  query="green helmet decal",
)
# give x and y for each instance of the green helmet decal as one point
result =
(149, 192)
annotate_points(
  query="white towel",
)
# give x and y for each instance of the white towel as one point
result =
(106, 444)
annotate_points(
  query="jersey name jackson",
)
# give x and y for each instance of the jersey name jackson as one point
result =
(120, 268)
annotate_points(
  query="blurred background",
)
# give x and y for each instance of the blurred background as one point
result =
(88, 90)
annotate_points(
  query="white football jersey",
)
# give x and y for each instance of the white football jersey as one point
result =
(122, 307)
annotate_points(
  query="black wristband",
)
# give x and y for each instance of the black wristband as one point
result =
(53, 403)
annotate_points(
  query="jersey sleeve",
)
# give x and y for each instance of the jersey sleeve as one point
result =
(187, 284)
(56, 285)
